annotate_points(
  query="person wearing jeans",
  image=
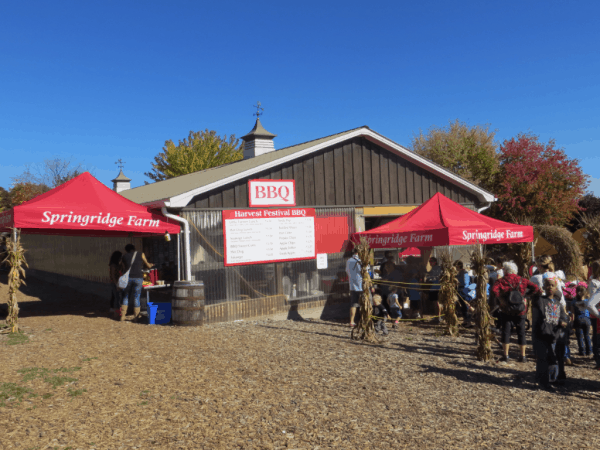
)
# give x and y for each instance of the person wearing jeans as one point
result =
(353, 269)
(133, 262)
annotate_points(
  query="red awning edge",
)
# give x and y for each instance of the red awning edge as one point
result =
(441, 221)
(83, 206)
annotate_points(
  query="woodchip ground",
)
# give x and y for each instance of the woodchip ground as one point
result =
(83, 381)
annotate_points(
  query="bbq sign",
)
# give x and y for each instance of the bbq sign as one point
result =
(272, 193)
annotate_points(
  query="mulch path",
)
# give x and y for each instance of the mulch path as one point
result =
(268, 385)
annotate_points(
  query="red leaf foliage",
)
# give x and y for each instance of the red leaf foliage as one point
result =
(537, 182)
(23, 192)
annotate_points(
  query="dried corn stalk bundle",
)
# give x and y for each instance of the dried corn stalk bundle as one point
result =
(364, 330)
(482, 313)
(591, 245)
(449, 292)
(15, 257)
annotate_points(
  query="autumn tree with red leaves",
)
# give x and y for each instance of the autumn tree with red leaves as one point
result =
(23, 192)
(537, 182)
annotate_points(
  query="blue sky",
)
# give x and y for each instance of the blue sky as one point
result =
(99, 81)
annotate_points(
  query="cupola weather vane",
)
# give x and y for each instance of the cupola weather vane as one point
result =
(259, 111)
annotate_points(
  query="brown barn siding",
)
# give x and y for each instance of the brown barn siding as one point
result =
(355, 172)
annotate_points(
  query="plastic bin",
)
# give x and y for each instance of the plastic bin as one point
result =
(152, 309)
(163, 313)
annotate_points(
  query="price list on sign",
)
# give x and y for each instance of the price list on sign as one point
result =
(268, 235)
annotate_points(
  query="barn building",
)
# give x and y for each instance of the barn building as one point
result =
(355, 180)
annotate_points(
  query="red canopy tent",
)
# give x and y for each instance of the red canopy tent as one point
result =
(84, 206)
(411, 251)
(440, 221)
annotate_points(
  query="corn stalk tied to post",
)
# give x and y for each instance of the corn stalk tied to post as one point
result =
(365, 329)
(449, 292)
(482, 310)
(16, 259)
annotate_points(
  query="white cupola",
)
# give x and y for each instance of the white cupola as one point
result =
(121, 183)
(258, 142)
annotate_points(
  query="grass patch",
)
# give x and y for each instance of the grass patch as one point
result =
(48, 376)
(48, 329)
(47, 396)
(144, 393)
(143, 403)
(76, 392)
(67, 370)
(89, 359)
(33, 373)
(57, 381)
(12, 392)
(17, 338)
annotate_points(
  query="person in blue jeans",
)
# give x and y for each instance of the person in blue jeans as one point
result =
(582, 320)
(133, 262)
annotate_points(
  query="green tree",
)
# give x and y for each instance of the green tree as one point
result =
(469, 152)
(201, 150)
(3, 199)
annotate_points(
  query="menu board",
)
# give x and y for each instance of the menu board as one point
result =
(268, 235)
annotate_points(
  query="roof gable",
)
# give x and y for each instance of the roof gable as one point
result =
(178, 192)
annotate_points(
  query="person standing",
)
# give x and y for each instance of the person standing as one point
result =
(115, 271)
(503, 291)
(353, 269)
(432, 278)
(581, 317)
(464, 281)
(548, 320)
(133, 262)
(592, 306)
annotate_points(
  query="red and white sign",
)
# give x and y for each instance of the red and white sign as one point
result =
(271, 193)
(268, 235)
(83, 206)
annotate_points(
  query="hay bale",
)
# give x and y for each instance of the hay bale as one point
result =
(569, 257)
(591, 243)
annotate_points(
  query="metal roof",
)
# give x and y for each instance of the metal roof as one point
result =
(258, 131)
(121, 177)
(178, 192)
(179, 185)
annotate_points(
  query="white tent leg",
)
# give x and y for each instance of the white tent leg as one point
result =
(178, 259)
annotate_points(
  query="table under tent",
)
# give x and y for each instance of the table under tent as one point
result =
(84, 207)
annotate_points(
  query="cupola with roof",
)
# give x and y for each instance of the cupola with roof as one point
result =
(258, 142)
(121, 183)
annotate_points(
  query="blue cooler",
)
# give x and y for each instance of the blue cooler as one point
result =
(163, 313)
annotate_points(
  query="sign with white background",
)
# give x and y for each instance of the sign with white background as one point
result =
(258, 236)
(271, 193)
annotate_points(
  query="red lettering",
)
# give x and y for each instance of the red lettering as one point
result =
(271, 192)
(260, 192)
(283, 195)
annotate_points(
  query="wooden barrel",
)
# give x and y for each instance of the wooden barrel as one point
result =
(188, 303)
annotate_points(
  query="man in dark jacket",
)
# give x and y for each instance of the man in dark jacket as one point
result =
(548, 321)
(501, 290)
